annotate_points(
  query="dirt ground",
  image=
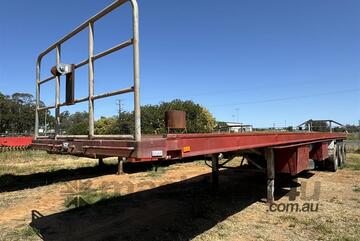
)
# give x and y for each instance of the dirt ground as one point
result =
(49, 197)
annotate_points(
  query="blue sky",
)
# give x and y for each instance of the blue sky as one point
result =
(257, 61)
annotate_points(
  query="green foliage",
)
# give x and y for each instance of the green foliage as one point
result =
(17, 115)
(356, 189)
(352, 162)
(75, 124)
(222, 126)
(354, 136)
(198, 119)
(320, 126)
(106, 126)
(349, 128)
(289, 128)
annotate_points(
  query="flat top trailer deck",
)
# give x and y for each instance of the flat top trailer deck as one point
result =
(174, 146)
(269, 152)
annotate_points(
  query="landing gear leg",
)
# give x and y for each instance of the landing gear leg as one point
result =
(120, 166)
(215, 171)
(101, 162)
(270, 170)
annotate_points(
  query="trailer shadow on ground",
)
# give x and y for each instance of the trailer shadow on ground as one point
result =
(12, 182)
(177, 211)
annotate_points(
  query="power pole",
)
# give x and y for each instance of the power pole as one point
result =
(237, 115)
(119, 104)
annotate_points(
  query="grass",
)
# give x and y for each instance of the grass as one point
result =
(351, 149)
(325, 228)
(89, 197)
(352, 162)
(355, 200)
(30, 162)
(322, 227)
(156, 172)
(356, 189)
(10, 199)
(22, 233)
(353, 136)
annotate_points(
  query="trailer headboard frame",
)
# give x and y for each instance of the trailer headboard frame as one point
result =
(134, 41)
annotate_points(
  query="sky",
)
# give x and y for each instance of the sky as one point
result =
(259, 62)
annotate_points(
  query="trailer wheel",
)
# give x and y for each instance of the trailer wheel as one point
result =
(339, 154)
(333, 160)
(343, 153)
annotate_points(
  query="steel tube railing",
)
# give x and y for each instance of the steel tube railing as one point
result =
(117, 92)
(107, 52)
(57, 92)
(95, 97)
(76, 101)
(47, 80)
(82, 63)
(136, 57)
(90, 61)
(46, 108)
(36, 131)
(84, 25)
(113, 49)
(91, 79)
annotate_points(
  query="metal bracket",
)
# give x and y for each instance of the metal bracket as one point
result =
(62, 69)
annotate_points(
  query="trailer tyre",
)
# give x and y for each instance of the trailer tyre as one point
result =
(339, 154)
(343, 153)
(333, 160)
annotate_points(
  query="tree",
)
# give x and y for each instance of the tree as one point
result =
(23, 98)
(198, 119)
(222, 126)
(74, 124)
(17, 113)
(106, 126)
(17, 116)
(320, 126)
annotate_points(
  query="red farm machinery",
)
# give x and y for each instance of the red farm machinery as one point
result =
(14, 143)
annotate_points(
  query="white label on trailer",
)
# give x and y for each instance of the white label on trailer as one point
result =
(157, 153)
(65, 145)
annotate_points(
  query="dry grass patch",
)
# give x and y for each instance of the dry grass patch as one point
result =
(352, 162)
(22, 233)
(30, 162)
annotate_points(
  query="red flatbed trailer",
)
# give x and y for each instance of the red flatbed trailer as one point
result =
(175, 146)
(270, 152)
